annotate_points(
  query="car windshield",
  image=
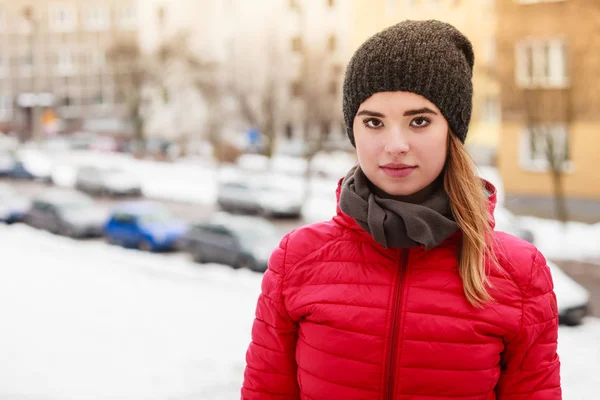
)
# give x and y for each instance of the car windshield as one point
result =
(157, 217)
(255, 233)
(75, 205)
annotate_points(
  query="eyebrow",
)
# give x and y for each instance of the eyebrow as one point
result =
(423, 110)
(407, 113)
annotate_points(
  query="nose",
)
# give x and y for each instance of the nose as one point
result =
(397, 142)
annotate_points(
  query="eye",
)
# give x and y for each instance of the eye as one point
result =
(420, 122)
(373, 123)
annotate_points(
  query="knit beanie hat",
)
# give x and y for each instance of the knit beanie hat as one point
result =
(429, 58)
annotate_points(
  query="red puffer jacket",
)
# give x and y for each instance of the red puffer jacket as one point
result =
(340, 317)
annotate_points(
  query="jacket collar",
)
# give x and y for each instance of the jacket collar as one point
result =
(348, 222)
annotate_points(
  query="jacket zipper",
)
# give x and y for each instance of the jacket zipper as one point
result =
(391, 364)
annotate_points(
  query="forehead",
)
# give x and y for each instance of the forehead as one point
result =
(396, 102)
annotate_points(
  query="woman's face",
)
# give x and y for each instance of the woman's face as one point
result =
(401, 141)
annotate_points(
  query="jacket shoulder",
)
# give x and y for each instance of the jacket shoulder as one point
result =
(522, 260)
(308, 239)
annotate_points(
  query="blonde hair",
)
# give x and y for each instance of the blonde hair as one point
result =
(468, 202)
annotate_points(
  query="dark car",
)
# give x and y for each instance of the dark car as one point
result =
(12, 205)
(238, 241)
(144, 225)
(68, 213)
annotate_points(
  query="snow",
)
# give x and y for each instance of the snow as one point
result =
(86, 320)
(557, 241)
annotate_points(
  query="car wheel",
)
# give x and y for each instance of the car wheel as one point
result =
(245, 262)
(198, 257)
(114, 241)
(574, 317)
(68, 231)
(145, 245)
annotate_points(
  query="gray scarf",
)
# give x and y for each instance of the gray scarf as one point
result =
(394, 223)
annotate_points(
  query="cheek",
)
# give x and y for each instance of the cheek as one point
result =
(435, 150)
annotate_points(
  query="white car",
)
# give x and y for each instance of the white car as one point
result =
(107, 181)
(258, 197)
(572, 298)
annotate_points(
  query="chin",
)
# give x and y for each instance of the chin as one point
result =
(399, 189)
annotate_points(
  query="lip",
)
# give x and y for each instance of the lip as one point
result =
(398, 170)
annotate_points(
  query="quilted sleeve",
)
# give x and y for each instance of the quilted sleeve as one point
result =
(530, 364)
(270, 360)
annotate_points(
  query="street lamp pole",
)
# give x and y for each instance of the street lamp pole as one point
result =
(36, 112)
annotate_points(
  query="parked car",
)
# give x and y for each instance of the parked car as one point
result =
(572, 298)
(258, 197)
(147, 226)
(31, 164)
(7, 163)
(107, 181)
(235, 240)
(67, 213)
(12, 205)
(507, 222)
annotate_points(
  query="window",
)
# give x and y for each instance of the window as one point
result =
(297, 44)
(98, 59)
(66, 62)
(296, 89)
(5, 106)
(491, 109)
(26, 63)
(97, 18)
(333, 88)
(332, 43)
(62, 18)
(537, 1)
(2, 20)
(127, 17)
(541, 63)
(489, 52)
(535, 144)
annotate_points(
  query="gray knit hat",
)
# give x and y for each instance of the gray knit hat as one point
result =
(429, 58)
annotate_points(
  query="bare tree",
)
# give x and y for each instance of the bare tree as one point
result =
(258, 98)
(320, 85)
(131, 74)
(546, 112)
(136, 71)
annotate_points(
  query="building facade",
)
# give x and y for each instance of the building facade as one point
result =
(53, 55)
(477, 20)
(548, 62)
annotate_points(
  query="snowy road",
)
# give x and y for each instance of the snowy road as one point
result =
(85, 320)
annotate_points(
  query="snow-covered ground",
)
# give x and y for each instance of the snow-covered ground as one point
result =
(85, 320)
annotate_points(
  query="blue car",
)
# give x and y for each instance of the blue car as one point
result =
(144, 225)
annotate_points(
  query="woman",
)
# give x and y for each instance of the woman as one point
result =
(407, 293)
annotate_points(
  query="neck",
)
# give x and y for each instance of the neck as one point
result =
(415, 198)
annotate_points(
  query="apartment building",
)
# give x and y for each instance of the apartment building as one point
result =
(53, 54)
(548, 62)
